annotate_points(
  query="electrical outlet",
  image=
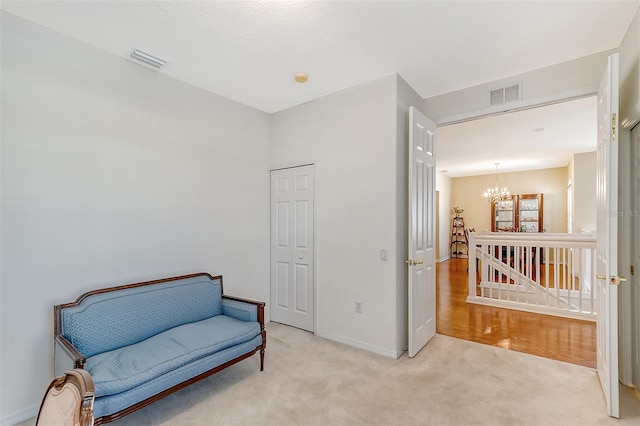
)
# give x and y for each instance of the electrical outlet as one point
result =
(359, 307)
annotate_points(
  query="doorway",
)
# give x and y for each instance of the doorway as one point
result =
(527, 133)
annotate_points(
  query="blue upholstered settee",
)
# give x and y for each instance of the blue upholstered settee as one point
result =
(141, 342)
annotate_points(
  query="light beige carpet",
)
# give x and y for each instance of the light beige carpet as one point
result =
(312, 381)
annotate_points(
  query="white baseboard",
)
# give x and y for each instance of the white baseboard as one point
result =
(23, 415)
(443, 259)
(360, 345)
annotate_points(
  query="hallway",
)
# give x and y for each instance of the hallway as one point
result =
(558, 338)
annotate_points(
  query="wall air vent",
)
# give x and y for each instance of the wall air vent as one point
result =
(505, 94)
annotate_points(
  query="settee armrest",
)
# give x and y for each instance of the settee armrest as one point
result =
(247, 310)
(66, 356)
(243, 309)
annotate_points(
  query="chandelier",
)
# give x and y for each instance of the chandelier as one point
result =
(495, 194)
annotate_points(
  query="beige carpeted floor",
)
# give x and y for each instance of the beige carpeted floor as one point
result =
(312, 381)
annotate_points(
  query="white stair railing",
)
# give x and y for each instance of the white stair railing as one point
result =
(544, 273)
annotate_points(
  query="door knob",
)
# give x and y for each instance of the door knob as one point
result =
(615, 280)
(418, 262)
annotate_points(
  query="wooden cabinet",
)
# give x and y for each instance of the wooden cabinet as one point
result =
(520, 213)
(530, 213)
(503, 215)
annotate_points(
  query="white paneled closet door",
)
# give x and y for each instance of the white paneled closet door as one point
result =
(292, 250)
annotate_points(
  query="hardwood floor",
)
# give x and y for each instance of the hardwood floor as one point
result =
(558, 338)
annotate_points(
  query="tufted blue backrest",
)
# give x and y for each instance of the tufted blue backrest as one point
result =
(107, 321)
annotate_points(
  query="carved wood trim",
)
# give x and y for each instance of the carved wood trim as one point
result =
(83, 383)
(240, 299)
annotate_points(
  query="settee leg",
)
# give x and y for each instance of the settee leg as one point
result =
(262, 359)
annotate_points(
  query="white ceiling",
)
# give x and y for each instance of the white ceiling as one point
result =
(249, 51)
(516, 140)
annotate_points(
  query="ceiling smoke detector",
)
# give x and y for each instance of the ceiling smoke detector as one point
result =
(147, 59)
(301, 78)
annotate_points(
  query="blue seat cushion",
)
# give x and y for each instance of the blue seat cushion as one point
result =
(125, 368)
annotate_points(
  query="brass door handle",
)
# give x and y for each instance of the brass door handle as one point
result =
(418, 262)
(615, 280)
(409, 262)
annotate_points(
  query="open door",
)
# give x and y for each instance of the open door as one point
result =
(422, 231)
(607, 237)
(635, 257)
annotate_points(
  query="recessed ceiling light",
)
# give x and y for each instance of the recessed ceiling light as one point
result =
(538, 130)
(147, 59)
(301, 78)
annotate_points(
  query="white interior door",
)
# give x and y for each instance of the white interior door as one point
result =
(607, 236)
(292, 259)
(635, 256)
(422, 231)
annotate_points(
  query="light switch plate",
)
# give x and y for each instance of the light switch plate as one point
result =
(383, 254)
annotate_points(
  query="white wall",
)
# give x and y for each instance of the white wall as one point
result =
(351, 138)
(584, 191)
(568, 79)
(630, 72)
(552, 183)
(114, 173)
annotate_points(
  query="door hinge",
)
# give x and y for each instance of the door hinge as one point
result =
(613, 127)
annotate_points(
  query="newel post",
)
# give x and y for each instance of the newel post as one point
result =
(472, 264)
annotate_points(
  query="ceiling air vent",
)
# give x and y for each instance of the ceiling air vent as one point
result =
(505, 94)
(147, 59)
